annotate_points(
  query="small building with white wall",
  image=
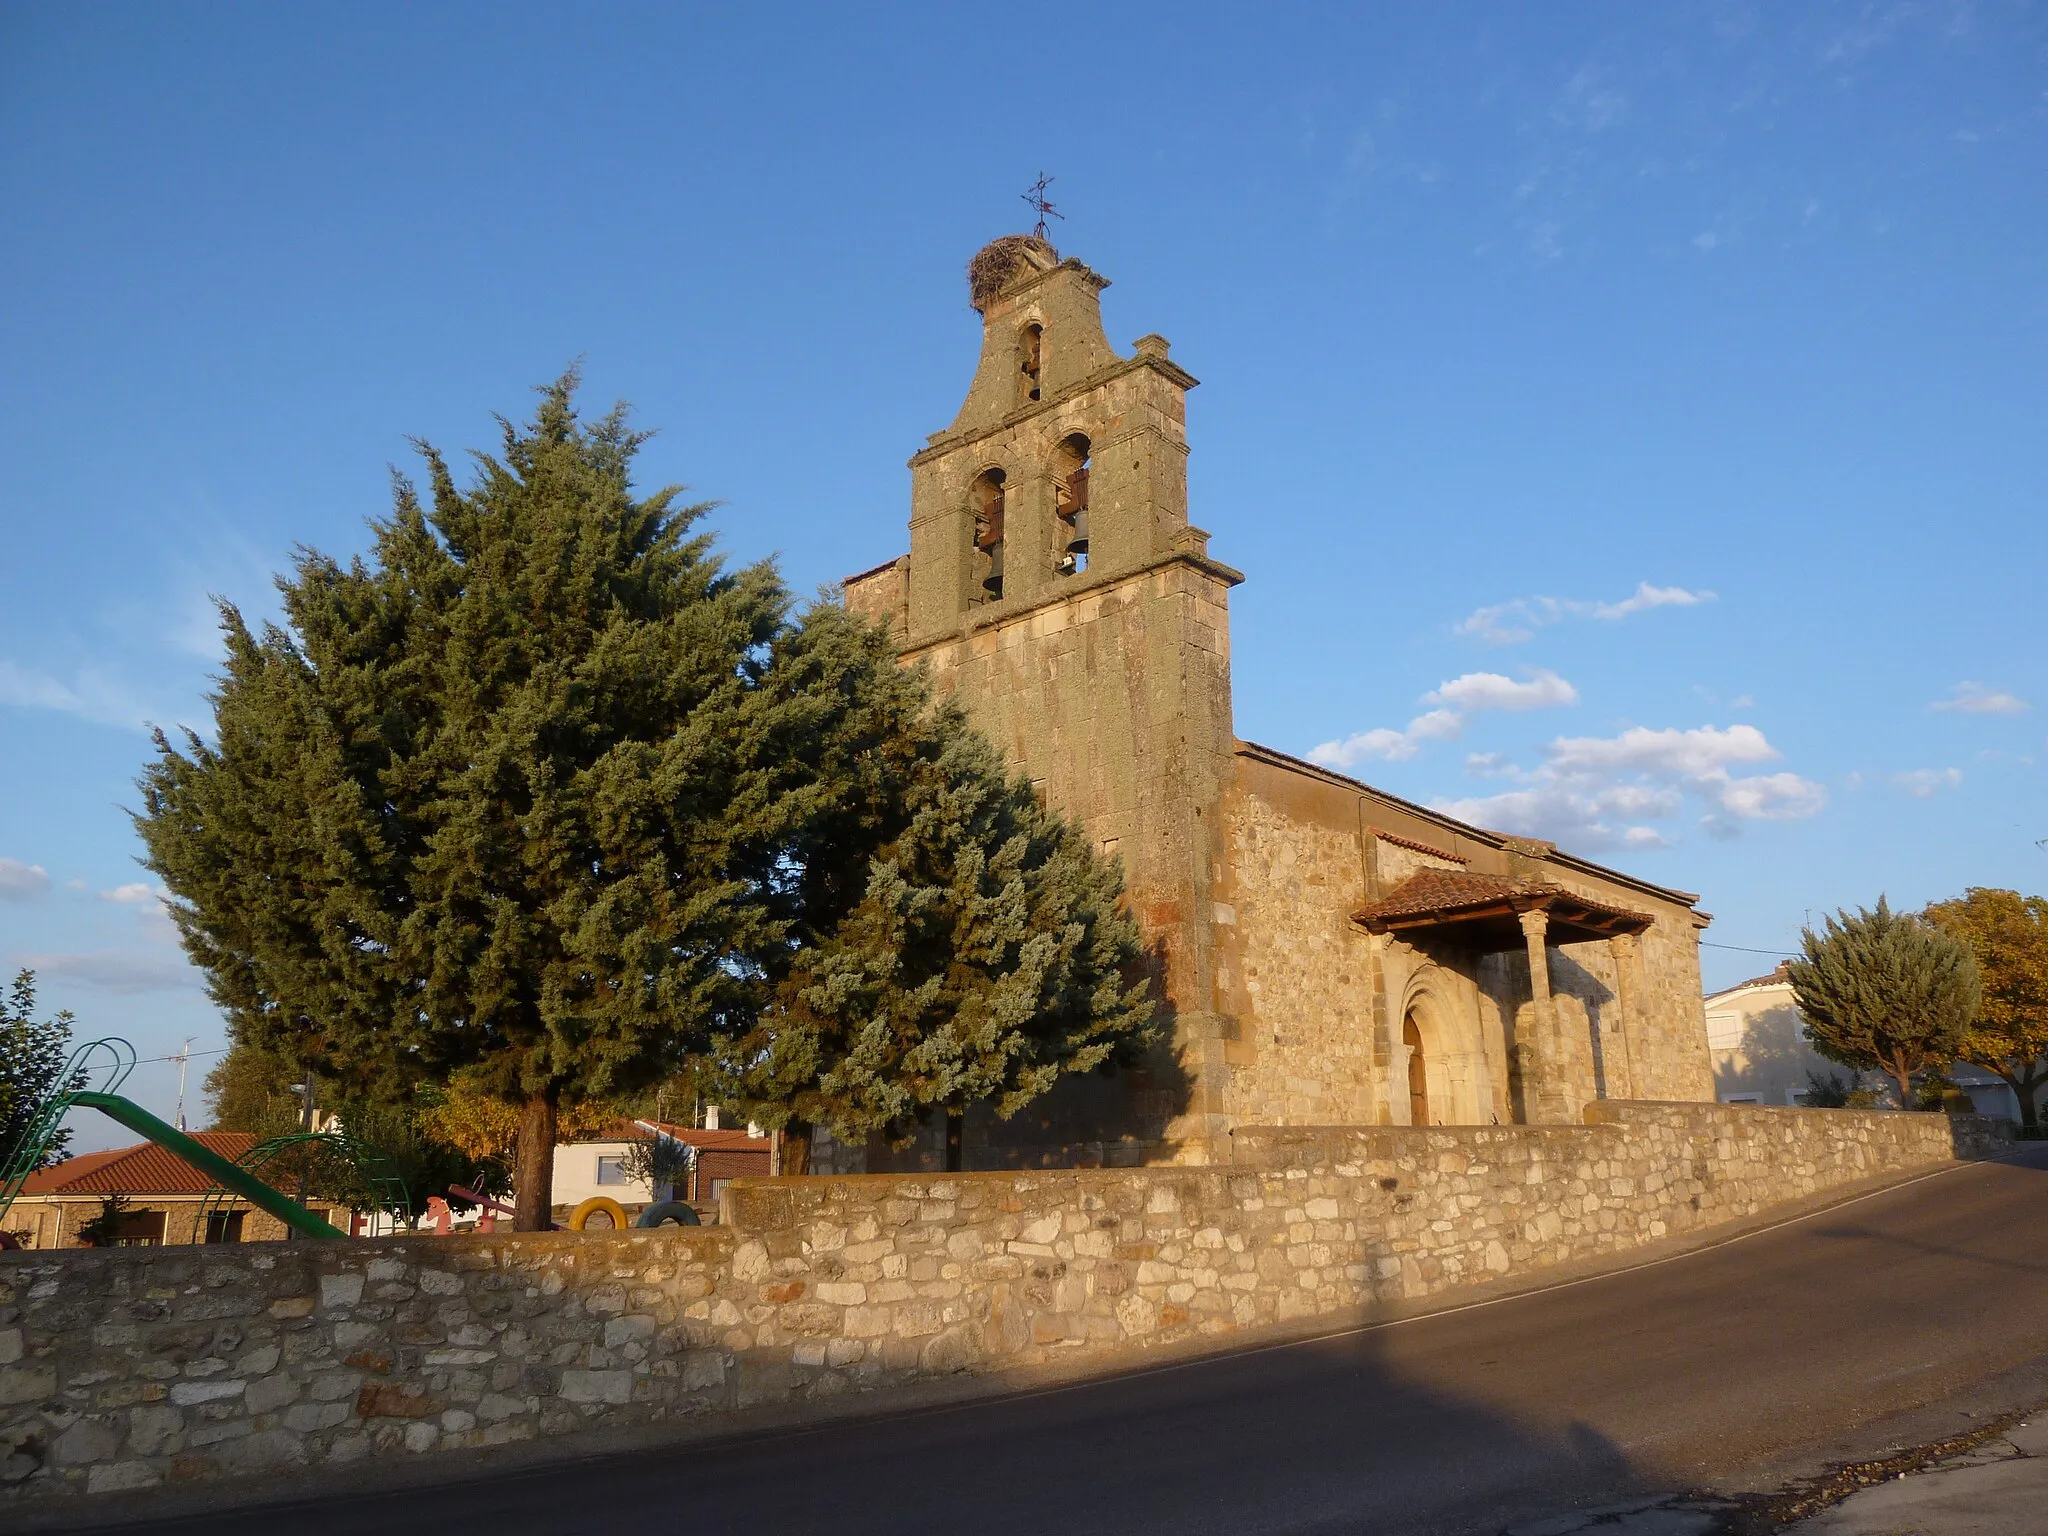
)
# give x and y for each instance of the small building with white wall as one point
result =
(1761, 1054)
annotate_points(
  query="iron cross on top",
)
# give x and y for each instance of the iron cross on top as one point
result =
(1041, 203)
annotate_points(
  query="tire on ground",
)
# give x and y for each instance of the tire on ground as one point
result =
(596, 1205)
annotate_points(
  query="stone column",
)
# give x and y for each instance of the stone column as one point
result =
(1623, 948)
(1542, 1093)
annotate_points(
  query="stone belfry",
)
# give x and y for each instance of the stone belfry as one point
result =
(1056, 590)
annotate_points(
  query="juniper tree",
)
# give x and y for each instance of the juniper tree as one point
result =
(2008, 933)
(952, 940)
(479, 805)
(33, 1053)
(541, 804)
(1884, 990)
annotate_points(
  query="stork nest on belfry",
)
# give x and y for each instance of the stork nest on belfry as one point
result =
(997, 262)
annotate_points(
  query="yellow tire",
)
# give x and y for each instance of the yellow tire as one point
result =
(597, 1205)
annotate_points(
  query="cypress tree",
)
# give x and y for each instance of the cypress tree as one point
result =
(539, 804)
(1885, 990)
(479, 806)
(951, 940)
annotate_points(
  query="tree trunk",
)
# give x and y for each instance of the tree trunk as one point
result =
(1905, 1082)
(796, 1147)
(534, 1181)
(956, 1125)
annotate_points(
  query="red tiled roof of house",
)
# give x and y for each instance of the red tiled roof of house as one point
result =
(147, 1169)
(723, 1140)
(714, 1141)
(1776, 978)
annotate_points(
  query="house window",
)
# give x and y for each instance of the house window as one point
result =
(612, 1170)
(224, 1226)
(139, 1229)
(718, 1187)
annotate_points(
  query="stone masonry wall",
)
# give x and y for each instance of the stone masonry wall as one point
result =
(126, 1368)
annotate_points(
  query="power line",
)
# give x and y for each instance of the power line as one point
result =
(143, 1061)
(1746, 950)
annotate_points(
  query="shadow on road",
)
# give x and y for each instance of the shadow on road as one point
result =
(1317, 1437)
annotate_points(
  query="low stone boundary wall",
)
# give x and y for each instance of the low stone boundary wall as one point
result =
(125, 1368)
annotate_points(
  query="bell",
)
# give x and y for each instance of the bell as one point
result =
(1077, 538)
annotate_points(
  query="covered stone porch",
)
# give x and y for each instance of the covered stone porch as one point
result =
(1477, 1033)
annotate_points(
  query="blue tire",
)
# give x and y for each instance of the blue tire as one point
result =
(664, 1213)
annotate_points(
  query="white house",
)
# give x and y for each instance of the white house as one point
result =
(1761, 1055)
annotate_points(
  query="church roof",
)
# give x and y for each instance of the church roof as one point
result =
(1486, 909)
(1458, 830)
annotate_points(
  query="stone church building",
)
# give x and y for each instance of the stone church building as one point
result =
(1328, 953)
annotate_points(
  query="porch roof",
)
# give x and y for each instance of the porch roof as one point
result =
(1484, 911)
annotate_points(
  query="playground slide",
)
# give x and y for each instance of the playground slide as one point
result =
(224, 1173)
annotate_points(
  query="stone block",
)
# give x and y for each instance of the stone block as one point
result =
(396, 1400)
(338, 1292)
(497, 1406)
(188, 1393)
(122, 1477)
(151, 1426)
(311, 1418)
(584, 1386)
(266, 1394)
(27, 1383)
(85, 1442)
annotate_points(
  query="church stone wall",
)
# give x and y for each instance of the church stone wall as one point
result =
(1294, 973)
(123, 1369)
(1115, 702)
(1315, 1004)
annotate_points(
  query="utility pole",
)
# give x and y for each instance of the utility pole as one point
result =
(184, 1060)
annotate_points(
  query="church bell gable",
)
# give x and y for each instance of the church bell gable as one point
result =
(1067, 462)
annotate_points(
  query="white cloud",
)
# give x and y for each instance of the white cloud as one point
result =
(1927, 782)
(1667, 754)
(1519, 618)
(114, 970)
(139, 893)
(22, 882)
(91, 697)
(1978, 699)
(1489, 690)
(1604, 790)
(1456, 700)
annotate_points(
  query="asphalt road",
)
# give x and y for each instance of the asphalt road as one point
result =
(1717, 1369)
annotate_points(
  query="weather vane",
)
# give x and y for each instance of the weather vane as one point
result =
(1039, 201)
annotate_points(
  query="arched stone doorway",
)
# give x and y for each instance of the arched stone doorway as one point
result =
(1447, 1078)
(1418, 1073)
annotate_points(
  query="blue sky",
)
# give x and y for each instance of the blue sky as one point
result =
(1630, 419)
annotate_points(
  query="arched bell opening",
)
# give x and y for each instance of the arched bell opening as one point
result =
(985, 501)
(1070, 462)
(1030, 360)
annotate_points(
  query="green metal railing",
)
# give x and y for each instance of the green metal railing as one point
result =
(110, 1061)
